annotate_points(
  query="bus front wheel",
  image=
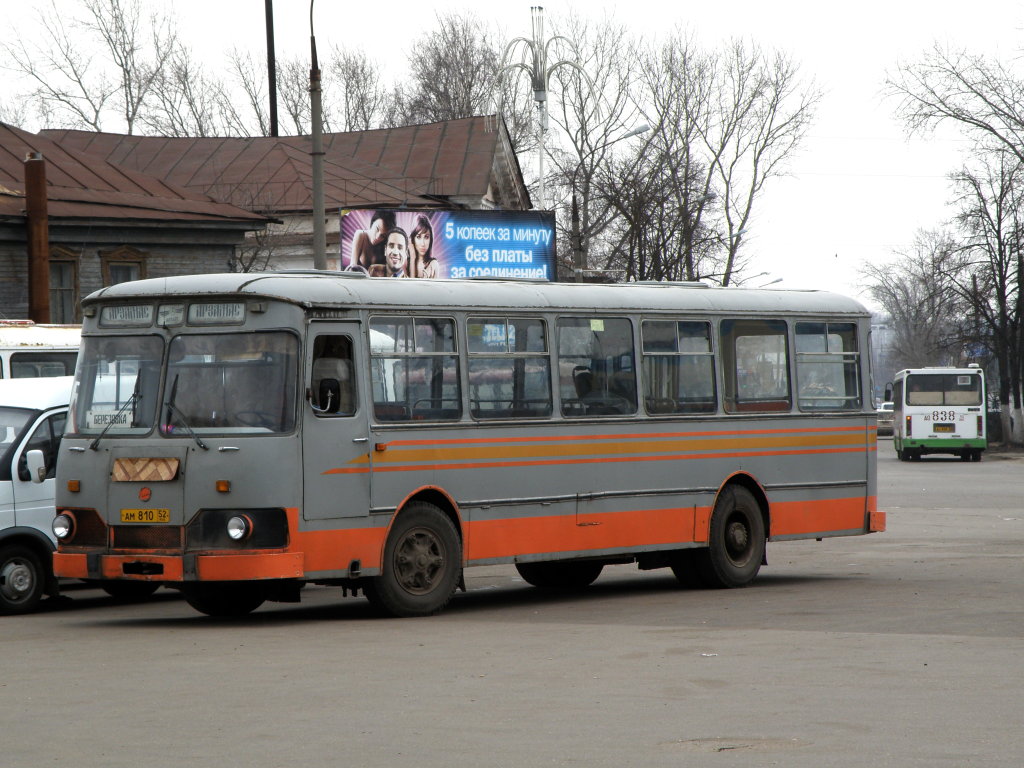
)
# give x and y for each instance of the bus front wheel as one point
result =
(422, 564)
(225, 598)
(736, 540)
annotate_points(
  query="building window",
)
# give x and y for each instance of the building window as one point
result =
(122, 265)
(63, 286)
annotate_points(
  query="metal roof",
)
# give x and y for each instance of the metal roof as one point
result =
(346, 289)
(416, 166)
(84, 186)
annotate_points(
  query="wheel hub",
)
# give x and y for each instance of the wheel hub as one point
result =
(16, 580)
(737, 539)
(419, 560)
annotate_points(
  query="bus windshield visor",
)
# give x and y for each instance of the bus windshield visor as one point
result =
(230, 383)
(118, 385)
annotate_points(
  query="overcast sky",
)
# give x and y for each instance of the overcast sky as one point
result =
(857, 191)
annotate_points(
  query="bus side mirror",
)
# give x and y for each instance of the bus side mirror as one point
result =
(888, 393)
(36, 466)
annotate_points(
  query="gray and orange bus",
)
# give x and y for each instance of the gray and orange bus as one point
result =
(240, 436)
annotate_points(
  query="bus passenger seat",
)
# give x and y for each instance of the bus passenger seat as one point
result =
(583, 380)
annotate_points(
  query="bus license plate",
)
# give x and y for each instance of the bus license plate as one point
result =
(145, 515)
(942, 428)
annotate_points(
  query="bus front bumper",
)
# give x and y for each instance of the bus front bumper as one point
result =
(180, 568)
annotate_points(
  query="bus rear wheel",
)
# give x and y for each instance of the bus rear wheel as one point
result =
(422, 564)
(564, 576)
(736, 540)
(225, 598)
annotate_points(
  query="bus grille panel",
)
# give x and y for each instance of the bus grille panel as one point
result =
(147, 537)
(90, 530)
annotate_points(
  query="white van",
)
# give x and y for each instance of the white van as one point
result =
(32, 417)
(30, 350)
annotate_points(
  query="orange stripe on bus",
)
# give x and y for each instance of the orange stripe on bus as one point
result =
(796, 517)
(582, 460)
(511, 537)
(625, 436)
(632, 448)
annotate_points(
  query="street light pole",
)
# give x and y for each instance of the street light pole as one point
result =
(319, 212)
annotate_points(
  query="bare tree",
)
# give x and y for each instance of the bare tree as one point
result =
(918, 291)
(762, 111)
(186, 101)
(248, 74)
(293, 91)
(72, 87)
(354, 82)
(984, 99)
(981, 96)
(678, 82)
(991, 219)
(591, 105)
(139, 57)
(452, 72)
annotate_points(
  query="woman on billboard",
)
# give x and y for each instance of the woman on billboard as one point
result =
(422, 263)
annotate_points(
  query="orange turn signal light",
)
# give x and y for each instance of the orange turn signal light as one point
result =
(223, 486)
(74, 486)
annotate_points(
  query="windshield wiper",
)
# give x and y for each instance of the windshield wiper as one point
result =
(132, 400)
(172, 409)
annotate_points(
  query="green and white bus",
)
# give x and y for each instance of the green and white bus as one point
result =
(238, 436)
(939, 410)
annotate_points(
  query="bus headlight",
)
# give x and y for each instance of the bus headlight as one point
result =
(64, 526)
(239, 527)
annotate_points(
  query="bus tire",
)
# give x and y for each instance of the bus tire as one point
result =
(975, 455)
(736, 540)
(225, 598)
(422, 564)
(21, 579)
(129, 591)
(568, 576)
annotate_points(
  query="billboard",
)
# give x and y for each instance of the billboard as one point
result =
(449, 244)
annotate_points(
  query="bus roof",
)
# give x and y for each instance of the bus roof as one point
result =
(346, 289)
(25, 333)
(38, 394)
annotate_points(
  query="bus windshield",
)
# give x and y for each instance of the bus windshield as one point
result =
(118, 385)
(943, 389)
(231, 382)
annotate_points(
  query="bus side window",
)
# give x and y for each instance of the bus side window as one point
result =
(678, 366)
(756, 366)
(331, 381)
(596, 374)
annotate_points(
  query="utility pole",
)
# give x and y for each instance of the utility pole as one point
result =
(271, 66)
(37, 220)
(319, 212)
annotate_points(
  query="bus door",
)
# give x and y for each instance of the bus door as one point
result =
(335, 436)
